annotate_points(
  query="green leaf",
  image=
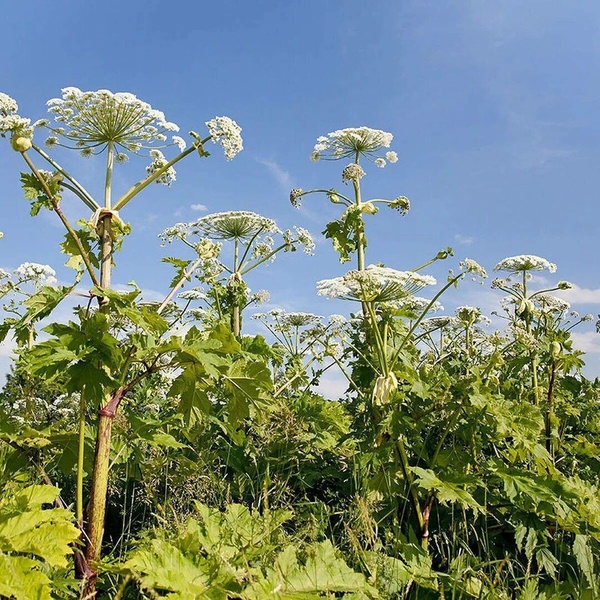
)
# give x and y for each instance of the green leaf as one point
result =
(450, 490)
(28, 528)
(322, 571)
(22, 580)
(190, 387)
(585, 559)
(164, 567)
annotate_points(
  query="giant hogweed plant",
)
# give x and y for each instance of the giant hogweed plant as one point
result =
(417, 410)
(384, 293)
(116, 342)
(255, 240)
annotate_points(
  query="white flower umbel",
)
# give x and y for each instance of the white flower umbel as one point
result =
(551, 304)
(301, 236)
(236, 224)
(90, 121)
(471, 266)
(524, 263)
(193, 294)
(18, 126)
(354, 142)
(168, 176)
(227, 132)
(469, 315)
(416, 304)
(35, 273)
(8, 105)
(374, 284)
(433, 323)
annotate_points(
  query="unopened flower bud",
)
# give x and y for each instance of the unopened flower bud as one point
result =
(20, 143)
(384, 388)
(369, 208)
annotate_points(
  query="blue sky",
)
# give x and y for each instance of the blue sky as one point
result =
(493, 106)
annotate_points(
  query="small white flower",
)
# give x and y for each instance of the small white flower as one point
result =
(380, 162)
(295, 196)
(391, 157)
(159, 162)
(7, 105)
(227, 132)
(471, 266)
(352, 172)
(179, 142)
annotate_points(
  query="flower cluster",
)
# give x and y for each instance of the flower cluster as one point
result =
(352, 172)
(434, 323)
(227, 132)
(551, 304)
(167, 177)
(415, 304)
(11, 122)
(92, 120)
(192, 294)
(260, 297)
(295, 195)
(354, 142)
(8, 105)
(35, 273)
(401, 204)
(524, 263)
(471, 266)
(234, 224)
(302, 236)
(374, 284)
(469, 315)
(178, 231)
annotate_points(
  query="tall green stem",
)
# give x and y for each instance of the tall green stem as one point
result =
(80, 459)
(236, 326)
(360, 236)
(106, 242)
(534, 357)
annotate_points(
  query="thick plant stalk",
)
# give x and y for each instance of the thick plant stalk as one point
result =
(97, 503)
(549, 408)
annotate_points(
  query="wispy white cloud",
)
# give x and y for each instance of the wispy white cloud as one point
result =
(579, 295)
(587, 341)
(199, 207)
(333, 384)
(463, 240)
(282, 176)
